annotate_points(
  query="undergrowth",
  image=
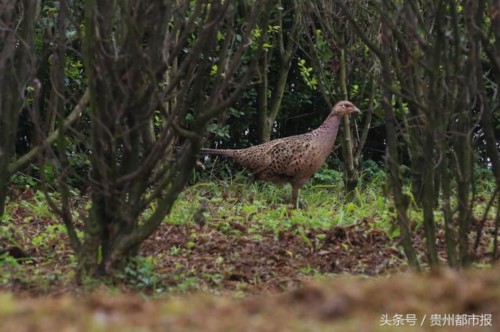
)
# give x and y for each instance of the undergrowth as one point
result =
(266, 207)
(237, 209)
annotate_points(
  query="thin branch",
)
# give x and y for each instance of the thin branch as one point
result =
(70, 119)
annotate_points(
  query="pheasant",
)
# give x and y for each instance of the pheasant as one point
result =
(292, 159)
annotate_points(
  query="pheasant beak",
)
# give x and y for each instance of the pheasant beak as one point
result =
(356, 110)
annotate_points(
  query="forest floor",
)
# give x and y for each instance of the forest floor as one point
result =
(241, 260)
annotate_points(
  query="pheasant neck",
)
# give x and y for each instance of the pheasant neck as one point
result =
(327, 133)
(330, 127)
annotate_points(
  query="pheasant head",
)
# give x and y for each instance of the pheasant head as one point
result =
(344, 107)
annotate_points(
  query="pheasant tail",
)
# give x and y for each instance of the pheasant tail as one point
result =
(218, 152)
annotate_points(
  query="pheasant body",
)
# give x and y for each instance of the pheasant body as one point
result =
(293, 159)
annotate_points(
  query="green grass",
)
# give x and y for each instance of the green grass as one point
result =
(265, 207)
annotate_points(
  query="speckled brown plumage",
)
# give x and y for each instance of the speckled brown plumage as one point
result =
(292, 159)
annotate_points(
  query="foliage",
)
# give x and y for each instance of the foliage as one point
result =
(306, 74)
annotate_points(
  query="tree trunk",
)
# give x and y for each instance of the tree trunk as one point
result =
(270, 95)
(16, 71)
(350, 174)
(401, 201)
(269, 109)
(130, 79)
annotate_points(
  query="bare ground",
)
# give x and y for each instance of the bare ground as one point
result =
(341, 279)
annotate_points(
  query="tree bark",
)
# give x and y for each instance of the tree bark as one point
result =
(401, 200)
(270, 94)
(350, 174)
(16, 73)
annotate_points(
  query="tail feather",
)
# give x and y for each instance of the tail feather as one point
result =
(218, 152)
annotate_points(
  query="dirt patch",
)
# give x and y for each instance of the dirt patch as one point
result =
(272, 261)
